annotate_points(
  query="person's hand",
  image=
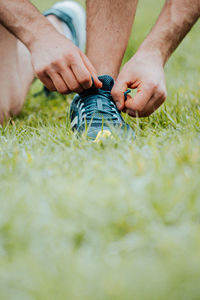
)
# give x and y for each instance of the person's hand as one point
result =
(61, 66)
(145, 73)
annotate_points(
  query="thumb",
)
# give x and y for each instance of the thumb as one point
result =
(117, 93)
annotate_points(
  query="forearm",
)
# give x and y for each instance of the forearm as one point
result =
(109, 24)
(23, 20)
(174, 22)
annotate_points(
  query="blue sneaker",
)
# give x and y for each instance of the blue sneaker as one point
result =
(73, 17)
(95, 114)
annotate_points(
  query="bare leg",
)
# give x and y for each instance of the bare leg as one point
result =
(109, 24)
(16, 72)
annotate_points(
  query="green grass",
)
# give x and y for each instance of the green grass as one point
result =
(108, 221)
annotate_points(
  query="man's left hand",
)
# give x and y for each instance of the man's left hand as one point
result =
(145, 73)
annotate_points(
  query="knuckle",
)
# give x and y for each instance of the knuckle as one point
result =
(48, 69)
(71, 57)
(39, 71)
(139, 111)
(86, 80)
(114, 93)
(62, 90)
(57, 64)
(75, 88)
(162, 100)
(162, 95)
(66, 91)
(138, 108)
(153, 85)
(51, 88)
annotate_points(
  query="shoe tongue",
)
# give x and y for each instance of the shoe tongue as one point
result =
(108, 82)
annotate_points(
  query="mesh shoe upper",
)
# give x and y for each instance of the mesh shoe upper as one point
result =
(94, 110)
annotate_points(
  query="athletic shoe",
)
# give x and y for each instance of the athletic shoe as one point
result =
(95, 114)
(73, 16)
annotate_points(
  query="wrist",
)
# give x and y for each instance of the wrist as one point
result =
(154, 49)
(32, 39)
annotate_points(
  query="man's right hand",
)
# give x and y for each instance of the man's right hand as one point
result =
(61, 66)
(56, 61)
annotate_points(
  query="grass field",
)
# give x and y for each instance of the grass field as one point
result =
(108, 221)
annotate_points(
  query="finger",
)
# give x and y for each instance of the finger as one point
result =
(58, 82)
(46, 80)
(82, 74)
(154, 103)
(92, 71)
(140, 100)
(71, 80)
(118, 93)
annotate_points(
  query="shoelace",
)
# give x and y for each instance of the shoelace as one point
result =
(97, 108)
